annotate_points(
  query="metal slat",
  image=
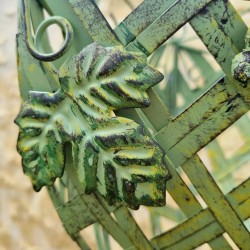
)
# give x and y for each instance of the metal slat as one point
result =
(172, 20)
(31, 68)
(94, 21)
(99, 212)
(243, 210)
(207, 131)
(31, 75)
(219, 163)
(184, 198)
(129, 225)
(240, 193)
(219, 43)
(219, 244)
(75, 215)
(218, 204)
(230, 21)
(231, 16)
(200, 123)
(105, 219)
(194, 115)
(198, 238)
(195, 231)
(146, 13)
(239, 199)
(157, 113)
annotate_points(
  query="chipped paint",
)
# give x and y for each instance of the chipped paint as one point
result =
(101, 142)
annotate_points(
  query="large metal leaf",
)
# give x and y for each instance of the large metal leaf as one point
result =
(110, 154)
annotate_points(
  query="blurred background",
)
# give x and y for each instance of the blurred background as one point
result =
(28, 220)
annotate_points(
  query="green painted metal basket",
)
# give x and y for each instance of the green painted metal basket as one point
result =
(103, 135)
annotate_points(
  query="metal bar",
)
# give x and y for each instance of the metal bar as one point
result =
(81, 242)
(128, 224)
(208, 130)
(157, 112)
(219, 164)
(31, 76)
(100, 213)
(219, 244)
(172, 20)
(239, 199)
(218, 44)
(94, 21)
(230, 22)
(197, 230)
(216, 201)
(194, 115)
(184, 198)
(138, 20)
(75, 215)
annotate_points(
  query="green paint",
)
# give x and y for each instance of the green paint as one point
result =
(110, 154)
(77, 132)
(165, 26)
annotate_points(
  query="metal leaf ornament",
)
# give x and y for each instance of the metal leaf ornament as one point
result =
(111, 154)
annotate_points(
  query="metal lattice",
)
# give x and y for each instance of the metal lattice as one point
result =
(150, 25)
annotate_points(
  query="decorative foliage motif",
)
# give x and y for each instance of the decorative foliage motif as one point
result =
(110, 154)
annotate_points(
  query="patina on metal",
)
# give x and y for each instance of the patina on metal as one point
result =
(110, 154)
(241, 64)
(74, 108)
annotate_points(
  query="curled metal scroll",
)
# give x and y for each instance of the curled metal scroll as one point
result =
(35, 46)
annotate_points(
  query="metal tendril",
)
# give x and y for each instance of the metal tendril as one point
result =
(34, 44)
